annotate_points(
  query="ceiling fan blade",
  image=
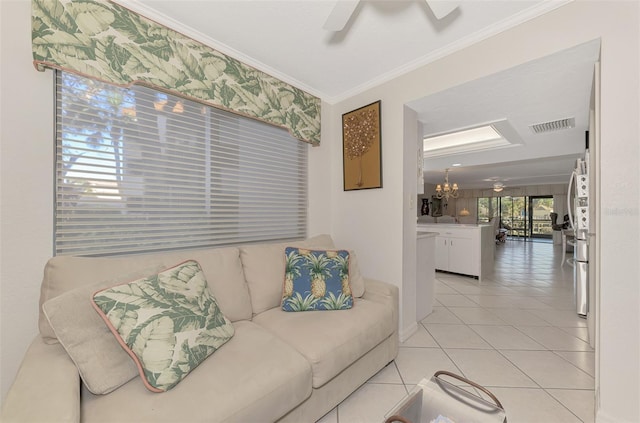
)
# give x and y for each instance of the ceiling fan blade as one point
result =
(340, 15)
(442, 8)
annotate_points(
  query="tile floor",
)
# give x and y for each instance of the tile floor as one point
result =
(516, 333)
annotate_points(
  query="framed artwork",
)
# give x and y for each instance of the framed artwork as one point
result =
(361, 148)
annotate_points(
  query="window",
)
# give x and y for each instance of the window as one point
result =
(515, 215)
(540, 217)
(526, 217)
(138, 170)
(487, 209)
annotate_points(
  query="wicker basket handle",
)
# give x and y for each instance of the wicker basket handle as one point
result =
(396, 418)
(472, 383)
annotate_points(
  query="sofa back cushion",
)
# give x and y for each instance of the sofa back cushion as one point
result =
(221, 267)
(264, 265)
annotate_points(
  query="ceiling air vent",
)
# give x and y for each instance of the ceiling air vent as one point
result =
(554, 125)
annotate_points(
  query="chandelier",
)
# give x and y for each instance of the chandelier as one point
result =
(498, 186)
(447, 190)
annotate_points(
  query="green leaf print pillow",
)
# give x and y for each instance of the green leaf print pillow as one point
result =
(168, 323)
(316, 280)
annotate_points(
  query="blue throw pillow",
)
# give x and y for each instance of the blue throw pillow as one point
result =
(316, 280)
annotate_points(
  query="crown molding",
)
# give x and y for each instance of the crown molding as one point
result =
(504, 25)
(162, 19)
(497, 28)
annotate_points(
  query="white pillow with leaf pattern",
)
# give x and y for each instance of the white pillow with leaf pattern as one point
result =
(316, 280)
(168, 323)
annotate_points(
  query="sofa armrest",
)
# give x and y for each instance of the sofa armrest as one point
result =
(382, 292)
(387, 294)
(46, 387)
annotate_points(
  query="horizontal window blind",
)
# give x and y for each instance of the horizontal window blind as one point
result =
(139, 170)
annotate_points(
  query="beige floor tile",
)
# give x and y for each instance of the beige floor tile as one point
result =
(416, 364)
(526, 405)
(446, 277)
(555, 339)
(508, 301)
(441, 288)
(389, 374)
(584, 360)
(467, 288)
(549, 370)
(370, 403)
(559, 303)
(580, 402)
(489, 368)
(516, 332)
(456, 336)
(580, 333)
(421, 338)
(330, 417)
(441, 315)
(457, 300)
(506, 338)
(471, 286)
(476, 315)
(518, 317)
(565, 318)
(531, 291)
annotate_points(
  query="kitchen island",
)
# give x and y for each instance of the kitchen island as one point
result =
(462, 248)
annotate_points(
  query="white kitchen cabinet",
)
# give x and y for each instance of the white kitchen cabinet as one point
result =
(464, 249)
(455, 252)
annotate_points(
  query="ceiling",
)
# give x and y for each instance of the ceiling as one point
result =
(555, 87)
(384, 39)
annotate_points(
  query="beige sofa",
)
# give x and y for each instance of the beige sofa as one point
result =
(278, 366)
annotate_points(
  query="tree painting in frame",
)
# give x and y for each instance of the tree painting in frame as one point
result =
(362, 153)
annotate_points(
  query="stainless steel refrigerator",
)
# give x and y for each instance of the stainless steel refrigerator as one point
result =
(578, 195)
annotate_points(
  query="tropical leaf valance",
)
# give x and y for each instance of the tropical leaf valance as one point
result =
(103, 40)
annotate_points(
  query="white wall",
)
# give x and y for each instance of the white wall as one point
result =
(26, 185)
(408, 324)
(378, 237)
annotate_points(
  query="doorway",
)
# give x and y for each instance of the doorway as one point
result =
(525, 217)
(514, 215)
(540, 209)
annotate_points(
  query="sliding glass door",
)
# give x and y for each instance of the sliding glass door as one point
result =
(514, 215)
(524, 217)
(540, 216)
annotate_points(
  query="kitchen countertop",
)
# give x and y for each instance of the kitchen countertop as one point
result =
(450, 225)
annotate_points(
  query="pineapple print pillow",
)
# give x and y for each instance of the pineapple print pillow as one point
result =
(316, 280)
(168, 323)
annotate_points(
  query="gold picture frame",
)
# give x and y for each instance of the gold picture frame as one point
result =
(361, 148)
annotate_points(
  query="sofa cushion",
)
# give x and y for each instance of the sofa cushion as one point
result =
(168, 322)
(221, 266)
(255, 377)
(331, 340)
(264, 264)
(356, 279)
(102, 363)
(316, 280)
